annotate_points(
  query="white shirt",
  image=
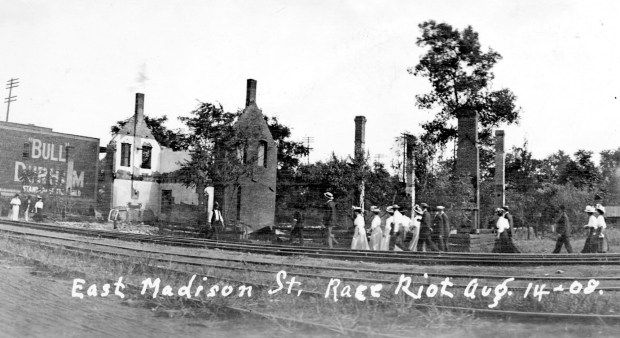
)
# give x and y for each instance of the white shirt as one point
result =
(600, 222)
(592, 222)
(406, 223)
(502, 224)
(38, 205)
(359, 222)
(376, 221)
(398, 221)
(16, 201)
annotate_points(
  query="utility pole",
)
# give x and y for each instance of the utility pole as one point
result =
(308, 140)
(12, 83)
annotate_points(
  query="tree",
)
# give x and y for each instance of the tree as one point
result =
(581, 172)
(610, 175)
(216, 152)
(461, 75)
(289, 151)
(173, 139)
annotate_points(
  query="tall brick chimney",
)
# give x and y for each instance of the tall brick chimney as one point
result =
(467, 156)
(500, 169)
(139, 106)
(251, 93)
(360, 136)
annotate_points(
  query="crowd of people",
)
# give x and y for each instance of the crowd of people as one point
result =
(36, 208)
(425, 232)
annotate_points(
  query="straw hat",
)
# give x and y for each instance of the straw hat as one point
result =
(424, 205)
(328, 195)
(389, 209)
(374, 208)
(417, 210)
(358, 209)
(589, 209)
(440, 207)
(600, 208)
(396, 206)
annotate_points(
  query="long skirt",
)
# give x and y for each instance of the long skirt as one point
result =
(375, 239)
(504, 244)
(413, 245)
(603, 245)
(591, 244)
(385, 242)
(360, 242)
(15, 213)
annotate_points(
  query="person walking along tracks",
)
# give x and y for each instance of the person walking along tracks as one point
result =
(330, 218)
(563, 229)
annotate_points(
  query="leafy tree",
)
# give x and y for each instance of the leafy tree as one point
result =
(461, 74)
(610, 175)
(173, 139)
(581, 172)
(289, 151)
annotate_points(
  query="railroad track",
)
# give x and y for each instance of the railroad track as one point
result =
(403, 257)
(113, 251)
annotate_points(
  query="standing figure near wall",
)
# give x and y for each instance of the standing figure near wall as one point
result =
(603, 245)
(442, 228)
(376, 234)
(591, 244)
(217, 221)
(359, 241)
(399, 226)
(511, 221)
(330, 218)
(27, 211)
(15, 203)
(38, 209)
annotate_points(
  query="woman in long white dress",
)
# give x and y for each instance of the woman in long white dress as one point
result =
(376, 234)
(600, 229)
(359, 241)
(15, 203)
(386, 229)
(415, 228)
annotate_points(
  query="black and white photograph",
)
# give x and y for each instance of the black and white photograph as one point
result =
(310, 168)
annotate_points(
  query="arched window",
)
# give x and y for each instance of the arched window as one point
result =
(262, 154)
(147, 151)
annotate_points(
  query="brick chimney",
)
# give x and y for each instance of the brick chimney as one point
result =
(139, 114)
(500, 164)
(251, 93)
(360, 136)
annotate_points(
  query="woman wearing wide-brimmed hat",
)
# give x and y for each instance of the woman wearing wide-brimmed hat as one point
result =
(376, 234)
(591, 244)
(15, 203)
(601, 239)
(359, 241)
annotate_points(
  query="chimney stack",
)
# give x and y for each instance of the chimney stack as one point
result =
(360, 136)
(139, 105)
(500, 164)
(251, 93)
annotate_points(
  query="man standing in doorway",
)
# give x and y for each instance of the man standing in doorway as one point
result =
(563, 229)
(330, 218)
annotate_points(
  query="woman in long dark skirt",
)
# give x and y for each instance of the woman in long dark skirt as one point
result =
(601, 239)
(591, 245)
(503, 243)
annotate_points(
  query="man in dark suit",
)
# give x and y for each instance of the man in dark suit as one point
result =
(330, 218)
(426, 230)
(511, 221)
(563, 229)
(443, 228)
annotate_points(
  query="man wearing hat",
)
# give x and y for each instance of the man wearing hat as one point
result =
(416, 218)
(330, 218)
(563, 229)
(508, 216)
(442, 228)
(426, 230)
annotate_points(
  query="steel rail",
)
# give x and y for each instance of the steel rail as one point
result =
(477, 311)
(396, 257)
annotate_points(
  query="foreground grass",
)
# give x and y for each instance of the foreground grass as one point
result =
(400, 317)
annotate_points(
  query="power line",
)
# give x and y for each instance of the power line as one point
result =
(308, 140)
(12, 83)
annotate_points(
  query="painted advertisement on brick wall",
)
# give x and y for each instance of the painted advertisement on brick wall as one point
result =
(43, 162)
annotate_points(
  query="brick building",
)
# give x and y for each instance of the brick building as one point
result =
(138, 173)
(38, 161)
(252, 202)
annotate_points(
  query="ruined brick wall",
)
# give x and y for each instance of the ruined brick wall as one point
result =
(468, 160)
(360, 136)
(254, 205)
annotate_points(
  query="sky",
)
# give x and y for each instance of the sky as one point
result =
(318, 65)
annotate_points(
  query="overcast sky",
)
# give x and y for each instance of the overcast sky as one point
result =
(318, 64)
